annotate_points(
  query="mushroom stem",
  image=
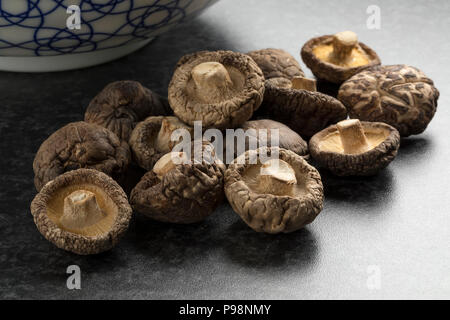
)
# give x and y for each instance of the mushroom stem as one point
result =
(352, 136)
(211, 79)
(81, 210)
(304, 84)
(169, 162)
(343, 44)
(277, 177)
(164, 142)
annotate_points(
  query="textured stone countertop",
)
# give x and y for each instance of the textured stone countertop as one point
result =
(396, 224)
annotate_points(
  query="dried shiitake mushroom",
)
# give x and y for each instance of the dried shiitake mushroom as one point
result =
(297, 104)
(277, 195)
(180, 191)
(400, 95)
(336, 58)
(276, 63)
(355, 148)
(83, 211)
(121, 104)
(151, 139)
(287, 138)
(80, 145)
(221, 88)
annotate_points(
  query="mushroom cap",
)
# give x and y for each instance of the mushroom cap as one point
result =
(288, 138)
(327, 149)
(330, 71)
(399, 95)
(143, 140)
(121, 104)
(276, 63)
(267, 212)
(305, 112)
(47, 210)
(80, 145)
(231, 111)
(186, 194)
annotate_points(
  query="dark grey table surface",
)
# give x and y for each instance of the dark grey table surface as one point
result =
(393, 227)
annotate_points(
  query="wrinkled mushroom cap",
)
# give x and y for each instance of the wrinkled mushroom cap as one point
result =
(363, 155)
(151, 139)
(80, 145)
(317, 54)
(180, 193)
(400, 95)
(306, 112)
(83, 211)
(265, 203)
(276, 63)
(288, 139)
(121, 104)
(221, 88)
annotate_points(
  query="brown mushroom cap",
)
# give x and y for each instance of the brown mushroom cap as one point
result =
(181, 193)
(121, 104)
(276, 63)
(306, 112)
(80, 145)
(288, 139)
(151, 139)
(400, 95)
(220, 88)
(285, 200)
(83, 211)
(354, 148)
(336, 58)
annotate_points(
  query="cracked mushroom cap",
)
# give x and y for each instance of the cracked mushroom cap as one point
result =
(221, 88)
(80, 145)
(151, 139)
(355, 148)
(337, 57)
(121, 104)
(83, 211)
(180, 191)
(277, 195)
(399, 95)
(276, 63)
(297, 104)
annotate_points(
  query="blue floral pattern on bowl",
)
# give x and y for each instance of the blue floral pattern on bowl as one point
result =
(38, 27)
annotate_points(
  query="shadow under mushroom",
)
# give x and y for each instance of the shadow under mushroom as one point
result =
(328, 88)
(373, 191)
(414, 148)
(173, 244)
(260, 250)
(132, 177)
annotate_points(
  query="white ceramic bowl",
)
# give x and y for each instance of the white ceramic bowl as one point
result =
(35, 35)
